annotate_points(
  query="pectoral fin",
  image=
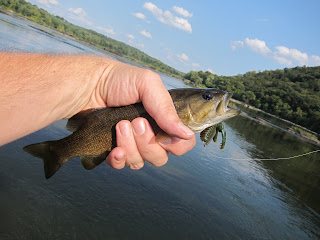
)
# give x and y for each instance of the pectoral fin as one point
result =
(90, 162)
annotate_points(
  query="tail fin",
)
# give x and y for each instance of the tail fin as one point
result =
(52, 162)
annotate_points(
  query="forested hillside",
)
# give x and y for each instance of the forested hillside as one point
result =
(291, 93)
(42, 17)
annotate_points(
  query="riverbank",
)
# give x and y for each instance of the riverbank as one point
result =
(277, 122)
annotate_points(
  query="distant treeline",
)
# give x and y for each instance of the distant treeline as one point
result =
(42, 17)
(291, 93)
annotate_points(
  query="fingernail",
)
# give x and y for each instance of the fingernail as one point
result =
(125, 129)
(186, 130)
(139, 127)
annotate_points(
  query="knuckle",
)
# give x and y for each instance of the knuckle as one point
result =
(112, 162)
(150, 75)
(149, 78)
(135, 162)
(136, 166)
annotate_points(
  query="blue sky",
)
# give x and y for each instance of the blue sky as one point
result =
(226, 37)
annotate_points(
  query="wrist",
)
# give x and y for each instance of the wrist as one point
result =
(97, 96)
(44, 89)
(81, 82)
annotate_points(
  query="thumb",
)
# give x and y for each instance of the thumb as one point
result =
(158, 103)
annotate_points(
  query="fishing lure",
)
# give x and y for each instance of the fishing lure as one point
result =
(211, 133)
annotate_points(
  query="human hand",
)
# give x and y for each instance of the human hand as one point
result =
(45, 88)
(122, 84)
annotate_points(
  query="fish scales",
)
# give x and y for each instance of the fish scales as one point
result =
(100, 127)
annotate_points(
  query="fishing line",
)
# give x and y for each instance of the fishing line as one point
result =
(268, 159)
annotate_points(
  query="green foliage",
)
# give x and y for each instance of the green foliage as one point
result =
(300, 130)
(41, 16)
(292, 94)
(194, 77)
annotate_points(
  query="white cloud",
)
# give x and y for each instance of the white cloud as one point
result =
(109, 30)
(282, 60)
(287, 56)
(153, 8)
(146, 34)
(130, 36)
(281, 54)
(196, 65)
(210, 70)
(139, 15)
(257, 46)
(182, 12)
(79, 15)
(166, 17)
(47, 3)
(78, 11)
(237, 44)
(315, 60)
(182, 57)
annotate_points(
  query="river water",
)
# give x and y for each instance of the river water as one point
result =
(200, 195)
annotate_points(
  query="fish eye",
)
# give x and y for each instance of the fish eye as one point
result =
(207, 96)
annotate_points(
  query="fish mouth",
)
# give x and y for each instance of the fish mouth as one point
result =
(223, 109)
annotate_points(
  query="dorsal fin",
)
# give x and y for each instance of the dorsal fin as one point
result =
(77, 120)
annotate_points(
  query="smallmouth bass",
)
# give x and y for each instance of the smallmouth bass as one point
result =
(94, 134)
